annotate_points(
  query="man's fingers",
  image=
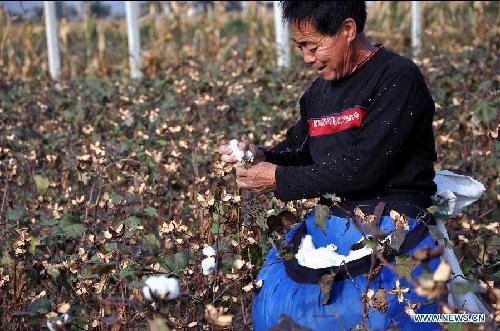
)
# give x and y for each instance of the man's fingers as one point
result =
(241, 172)
(229, 158)
(243, 145)
(225, 149)
(241, 183)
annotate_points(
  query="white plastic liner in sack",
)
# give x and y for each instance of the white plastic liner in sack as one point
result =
(454, 193)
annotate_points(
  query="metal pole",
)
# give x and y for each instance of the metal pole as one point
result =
(134, 45)
(244, 7)
(282, 37)
(52, 40)
(167, 10)
(416, 28)
(468, 301)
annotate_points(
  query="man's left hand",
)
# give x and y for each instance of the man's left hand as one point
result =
(260, 178)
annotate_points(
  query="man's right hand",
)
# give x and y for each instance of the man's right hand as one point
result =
(227, 154)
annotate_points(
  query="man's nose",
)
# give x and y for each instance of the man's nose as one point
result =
(309, 57)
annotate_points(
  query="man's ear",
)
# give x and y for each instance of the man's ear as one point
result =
(349, 29)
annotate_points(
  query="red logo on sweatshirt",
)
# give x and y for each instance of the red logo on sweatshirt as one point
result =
(350, 118)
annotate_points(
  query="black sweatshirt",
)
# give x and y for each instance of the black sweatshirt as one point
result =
(362, 137)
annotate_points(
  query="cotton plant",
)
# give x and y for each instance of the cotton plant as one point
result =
(57, 322)
(160, 288)
(60, 320)
(245, 159)
(208, 264)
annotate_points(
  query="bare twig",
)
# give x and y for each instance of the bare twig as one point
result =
(4, 198)
(365, 294)
(87, 205)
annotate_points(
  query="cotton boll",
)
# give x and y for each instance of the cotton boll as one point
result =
(244, 158)
(233, 143)
(65, 318)
(331, 247)
(173, 288)
(161, 287)
(51, 326)
(157, 286)
(54, 326)
(208, 265)
(237, 153)
(306, 243)
(249, 156)
(146, 293)
(208, 251)
(56, 322)
(324, 257)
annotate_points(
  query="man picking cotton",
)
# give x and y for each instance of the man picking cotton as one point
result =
(364, 134)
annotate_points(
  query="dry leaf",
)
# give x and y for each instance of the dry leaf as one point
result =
(64, 308)
(239, 264)
(442, 272)
(399, 291)
(428, 287)
(248, 287)
(325, 286)
(427, 253)
(380, 301)
(410, 308)
(217, 317)
(400, 221)
(259, 283)
(359, 213)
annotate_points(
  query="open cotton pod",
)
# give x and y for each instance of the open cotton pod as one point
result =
(161, 288)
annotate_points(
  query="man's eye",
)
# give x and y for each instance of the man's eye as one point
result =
(312, 49)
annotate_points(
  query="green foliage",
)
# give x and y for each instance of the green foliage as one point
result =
(405, 265)
(42, 183)
(177, 262)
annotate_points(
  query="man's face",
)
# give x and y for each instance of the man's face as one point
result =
(329, 55)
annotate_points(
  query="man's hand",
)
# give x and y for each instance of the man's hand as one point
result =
(227, 154)
(260, 178)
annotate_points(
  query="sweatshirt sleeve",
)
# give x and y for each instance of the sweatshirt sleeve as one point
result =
(400, 105)
(294, 149)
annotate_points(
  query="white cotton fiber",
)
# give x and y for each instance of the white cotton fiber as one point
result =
(161, 287)
(208, 251)
(208, 265)
(238, 154)
(325, 257)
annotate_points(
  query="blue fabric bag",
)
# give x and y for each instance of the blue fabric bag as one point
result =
(302, 302)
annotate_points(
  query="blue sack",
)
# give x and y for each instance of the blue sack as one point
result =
(302, 302)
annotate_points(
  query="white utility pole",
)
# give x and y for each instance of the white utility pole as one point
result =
(167, 10)
(282, 37)
(134, 45)
(244, 7)
(416, 28)
(52, 39)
